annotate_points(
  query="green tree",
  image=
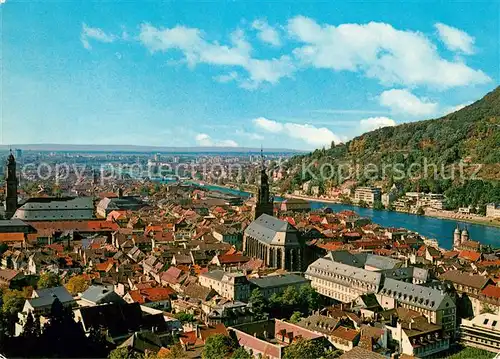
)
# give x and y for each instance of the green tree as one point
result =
(48, 280)
(122, 353)
(77, 284)
(241, 353)
(216, 347)
(258, 303)
(304, 349)
(378, 205)
(185, 317)
(296, 317)
(176, 352)
(13, 301)
(420, 211)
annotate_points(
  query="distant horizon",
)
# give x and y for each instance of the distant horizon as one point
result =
(141, 148)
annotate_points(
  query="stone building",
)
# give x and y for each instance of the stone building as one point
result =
(274, 241)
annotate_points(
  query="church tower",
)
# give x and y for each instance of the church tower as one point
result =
(264, 202)
(456, 238)
(10, 187)
(464, 237)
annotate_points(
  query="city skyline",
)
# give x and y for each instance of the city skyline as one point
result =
(292, 76)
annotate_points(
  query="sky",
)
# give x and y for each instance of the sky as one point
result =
(279, 74)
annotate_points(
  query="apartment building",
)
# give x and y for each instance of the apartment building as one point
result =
(230, 285)
(368, 195)
(483, 332)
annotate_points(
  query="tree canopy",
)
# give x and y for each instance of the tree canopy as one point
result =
(48, 280)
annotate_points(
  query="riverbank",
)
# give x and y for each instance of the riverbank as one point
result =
(435, 227)
(463, 218)
(473, 219)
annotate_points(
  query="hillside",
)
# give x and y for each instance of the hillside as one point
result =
(470, 136)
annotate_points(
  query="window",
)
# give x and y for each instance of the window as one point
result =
(485, 321)
(494, 323)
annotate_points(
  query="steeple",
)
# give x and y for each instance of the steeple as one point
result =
(10, 187)
(264, 202)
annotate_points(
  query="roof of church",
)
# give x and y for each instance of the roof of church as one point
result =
(265, 229)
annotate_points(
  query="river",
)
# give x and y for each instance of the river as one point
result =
(430, 227)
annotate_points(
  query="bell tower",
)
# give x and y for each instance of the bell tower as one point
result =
(264, 203)
(10, 187)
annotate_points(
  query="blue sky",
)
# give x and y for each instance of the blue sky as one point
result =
(281, 74)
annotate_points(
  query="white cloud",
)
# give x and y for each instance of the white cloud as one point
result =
(268, 125)
(373, 123)
(232, 76)
(451, 109)
(379, 51)
(2, 1)
(196, 50)
(455, 39)
(249, 135)
(315, 136)
(227, 143)
(202, 139)
(96, 34)
(266, 32)
(404, 102)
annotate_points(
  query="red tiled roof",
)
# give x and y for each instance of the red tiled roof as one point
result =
(285, 327)
(232, 258)
(470, 255)
(331, 246)
(206, 332)
(148, 295)
(495, 263)
(188, 338)
(11, 237)
(491, 291)
(345, 333)
(76, 225)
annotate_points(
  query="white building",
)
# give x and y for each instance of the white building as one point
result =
(230, 285)
(493, 210)
(368, 195)
(483, 332)
(340, 281)
(437, 306)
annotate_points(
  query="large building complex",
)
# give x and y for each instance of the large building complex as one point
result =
(56, 208)
(340, 281)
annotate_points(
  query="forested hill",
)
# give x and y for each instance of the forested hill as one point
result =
(471, 134)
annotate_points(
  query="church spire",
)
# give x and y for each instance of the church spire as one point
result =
(264, 203)
(10, 186)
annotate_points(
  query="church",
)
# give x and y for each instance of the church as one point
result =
(270, 239)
